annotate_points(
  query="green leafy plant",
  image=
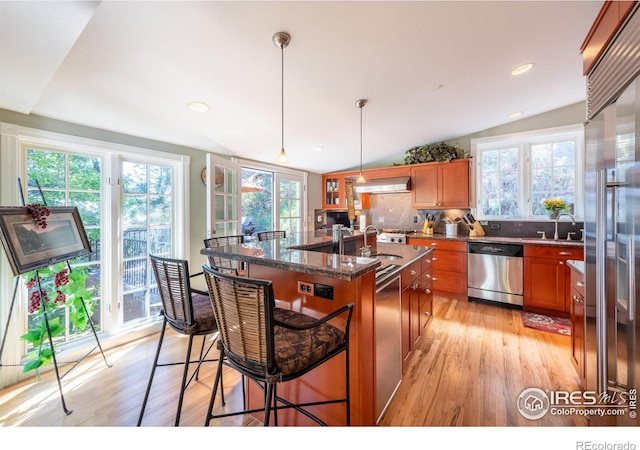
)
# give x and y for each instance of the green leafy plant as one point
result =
(50, 289)
(434, 153)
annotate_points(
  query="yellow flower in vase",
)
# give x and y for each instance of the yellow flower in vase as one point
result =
(554, 206)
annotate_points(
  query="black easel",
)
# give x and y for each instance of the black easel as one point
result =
(46, 319)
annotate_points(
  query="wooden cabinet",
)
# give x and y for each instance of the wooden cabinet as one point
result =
(578, 323)
(441, 185)
(546, 275)
(449, 265)
(334, 191)
(416, 305)
(410, 304)
(426, 292)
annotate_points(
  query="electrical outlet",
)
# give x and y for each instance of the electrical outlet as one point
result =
(415, 219)
(305, 288)
(380, 219)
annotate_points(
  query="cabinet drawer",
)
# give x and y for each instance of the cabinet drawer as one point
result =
(427, 280)
(449, 281)
(577, 282)
(427, 262)
(410, 274)
(441, 244)
(450, 261)
(550, 251)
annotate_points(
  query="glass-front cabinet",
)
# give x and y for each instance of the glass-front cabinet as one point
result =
(334, 191)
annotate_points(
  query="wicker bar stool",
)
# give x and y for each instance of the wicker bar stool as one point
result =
(225, 264)
(251, 330)
(188, 312)
(274, 234)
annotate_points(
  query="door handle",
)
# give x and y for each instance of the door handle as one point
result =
(631, 263)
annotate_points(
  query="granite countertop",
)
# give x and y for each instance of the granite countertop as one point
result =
(506, 240)
(296, 253)
(576, 264)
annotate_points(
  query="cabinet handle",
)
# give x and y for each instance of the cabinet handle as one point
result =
(427, 276)
(435, 259)
(579, 283)
(435, 279)
(427, 291)
(561, 263)
(427, 313)
(413, 272)
(565, 253)
(433, 244)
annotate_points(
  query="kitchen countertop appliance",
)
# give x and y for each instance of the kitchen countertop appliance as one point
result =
(496, 272)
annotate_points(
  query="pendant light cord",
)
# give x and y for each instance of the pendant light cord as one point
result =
(361, 141)
(282, 94)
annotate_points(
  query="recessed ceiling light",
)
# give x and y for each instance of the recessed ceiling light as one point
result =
(513, 115)
(318, 149)
(198, 107)
(522, 69)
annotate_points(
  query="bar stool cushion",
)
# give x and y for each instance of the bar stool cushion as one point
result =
(203, 311)
(296, 350)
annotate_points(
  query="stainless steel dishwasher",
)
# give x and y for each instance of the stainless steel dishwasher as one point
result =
(388, 324)
(496, 272)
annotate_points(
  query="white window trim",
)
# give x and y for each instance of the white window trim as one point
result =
(13, 138)
(524, 140)
(304, 208)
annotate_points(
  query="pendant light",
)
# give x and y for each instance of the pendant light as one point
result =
(360, 104)
(281, 40)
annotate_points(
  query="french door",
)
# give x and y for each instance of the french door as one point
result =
(223, 179)
(289, 203)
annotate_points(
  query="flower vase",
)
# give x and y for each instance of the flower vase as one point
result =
(553, 214)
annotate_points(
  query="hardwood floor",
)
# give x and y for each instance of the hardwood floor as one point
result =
(472, 365)
(469, 370)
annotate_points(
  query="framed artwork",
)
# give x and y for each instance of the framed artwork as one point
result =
(29, 246)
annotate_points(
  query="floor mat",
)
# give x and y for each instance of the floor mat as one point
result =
(550, 324)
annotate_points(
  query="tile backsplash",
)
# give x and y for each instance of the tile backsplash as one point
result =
(394, 211)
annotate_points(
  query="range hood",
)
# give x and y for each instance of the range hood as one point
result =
(384, 185)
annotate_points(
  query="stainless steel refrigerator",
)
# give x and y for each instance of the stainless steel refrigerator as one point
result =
(612, 224)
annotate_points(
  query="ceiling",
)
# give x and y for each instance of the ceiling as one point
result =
(431, 71)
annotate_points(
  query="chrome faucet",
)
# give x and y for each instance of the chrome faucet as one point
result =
(365, 251)
(573, 222)
(341, 240)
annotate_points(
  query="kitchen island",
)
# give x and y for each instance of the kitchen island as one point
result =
(336, 280)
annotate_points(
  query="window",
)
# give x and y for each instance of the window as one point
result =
(131, 201)
(252, 197)
(147, 220)
(515, 173)
(67, 179)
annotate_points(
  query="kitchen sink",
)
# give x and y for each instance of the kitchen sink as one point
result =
(385, 256)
